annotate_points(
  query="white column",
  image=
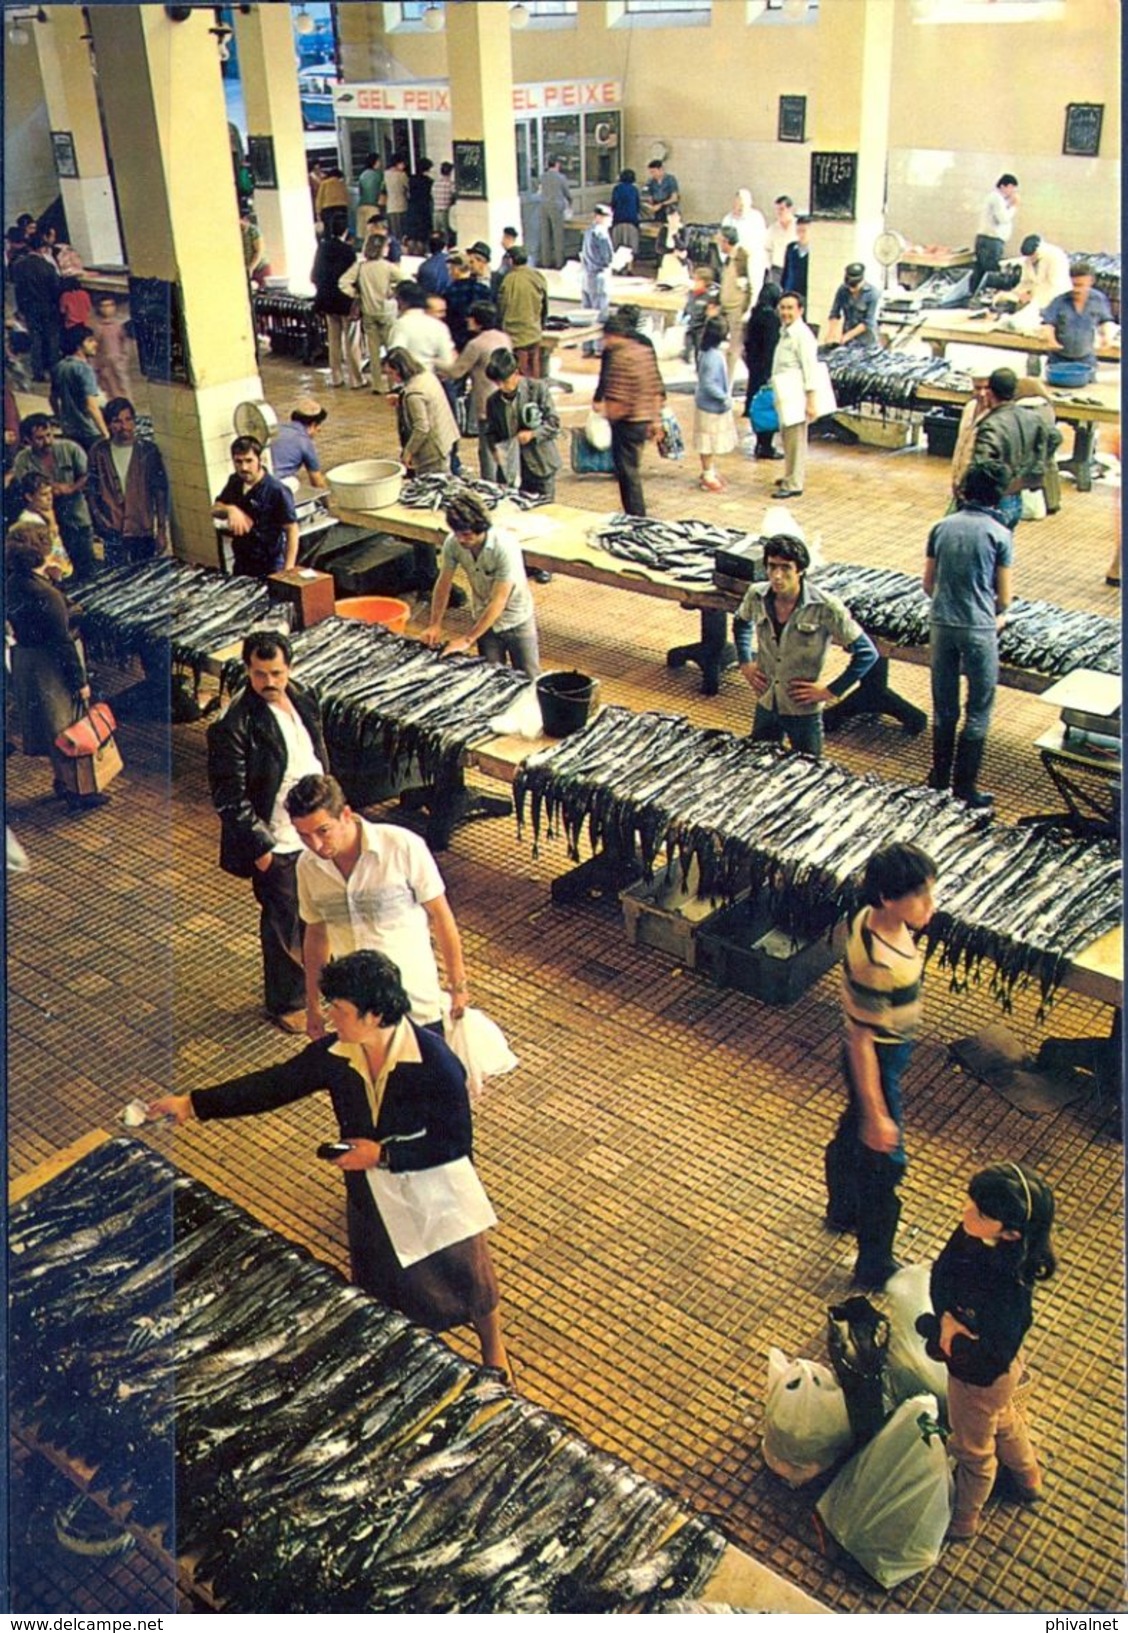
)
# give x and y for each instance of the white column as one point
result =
(268, 66)
(72, 107)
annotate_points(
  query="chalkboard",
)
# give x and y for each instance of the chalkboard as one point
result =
(792, 119)
(834, 186)
(260, 157)
(156, 310)
(469, 169)
(1083, 121)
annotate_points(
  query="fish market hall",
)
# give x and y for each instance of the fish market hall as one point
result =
(627, 1375)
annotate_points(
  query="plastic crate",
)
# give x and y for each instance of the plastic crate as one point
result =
(739, 948)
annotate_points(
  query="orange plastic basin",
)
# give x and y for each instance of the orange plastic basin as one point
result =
(376, 609)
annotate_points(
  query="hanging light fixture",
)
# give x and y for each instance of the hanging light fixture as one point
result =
(303, 22)
(434, 19)
(518, 16)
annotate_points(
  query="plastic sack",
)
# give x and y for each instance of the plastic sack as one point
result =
(806, 1425)
(480, 1045)
(589, 461)
(890, 1506)
(762, 413)
(1033, 505)
(597, 430)
(521, 719)
(909, 1367)
(671, 443)
(670, 344)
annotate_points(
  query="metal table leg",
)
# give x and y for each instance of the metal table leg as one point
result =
(875, 696)
(713, 653)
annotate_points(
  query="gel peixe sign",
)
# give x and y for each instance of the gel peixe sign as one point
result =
(433, 97)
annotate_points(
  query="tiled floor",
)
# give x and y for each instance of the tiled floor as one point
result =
(655, 1159)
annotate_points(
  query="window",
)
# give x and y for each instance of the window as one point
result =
(988, 11)
(550, 8)
(795, 10)
(650, 8)
(411, 11)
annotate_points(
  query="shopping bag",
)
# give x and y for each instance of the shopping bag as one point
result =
(90, 773)
(589, 461)
(910, 1371)
(428, 1209)
(890, 1506)
(597, 430)
(858, 1339)
(90, 731)
(671, 443)
(763, 414)
(480, 1045)
(1033, 505)
(806, 1425)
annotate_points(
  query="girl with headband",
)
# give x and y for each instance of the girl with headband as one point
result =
(981, 1289)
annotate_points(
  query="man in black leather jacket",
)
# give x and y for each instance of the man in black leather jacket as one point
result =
(267, 739)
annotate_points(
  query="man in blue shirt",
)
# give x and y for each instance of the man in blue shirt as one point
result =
(661, 191)
(433, 276)
(855, 303)
(292, 451)
(596, 254)
(258, 512)
(74, 389)
(967, 574)
(1073, 326)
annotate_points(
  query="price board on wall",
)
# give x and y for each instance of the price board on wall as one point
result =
(834, 186)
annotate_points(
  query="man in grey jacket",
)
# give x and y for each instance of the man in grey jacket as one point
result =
(555, 198)
(522, 427)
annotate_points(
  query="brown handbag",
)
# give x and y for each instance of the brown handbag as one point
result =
(89, 756)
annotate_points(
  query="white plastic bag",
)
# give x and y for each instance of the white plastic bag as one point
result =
(597, 430)
(909, 1368)
(806, 1426)
(670, 344)
(480, 1045)
(522, 718)
(1033, 505)
(890, 1506)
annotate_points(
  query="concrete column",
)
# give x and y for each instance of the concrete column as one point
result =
(481, 100)
(166, 126)
(851, 115)
(72, 106)
(268, 67)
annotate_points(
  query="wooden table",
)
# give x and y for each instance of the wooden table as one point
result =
(971, 329)
(919, 263)
(1083, 407)
(644, 293)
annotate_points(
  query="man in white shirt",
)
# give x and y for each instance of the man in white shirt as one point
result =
(267, 740)
(1045, 273)
(995, 222)
(796, 354)
(426, 337)
(781, 233)
(375, 886)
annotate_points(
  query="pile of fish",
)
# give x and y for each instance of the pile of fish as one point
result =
(311, 1451)
(685, 550)
(873, 375)
(436, 492)
(795, 833)
(1045, 639)
(386, 697)
(129, 611)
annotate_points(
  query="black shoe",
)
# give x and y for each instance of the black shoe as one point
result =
(86, 802)
(873, 1279)
(540, 575)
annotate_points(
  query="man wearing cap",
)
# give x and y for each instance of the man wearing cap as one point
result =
(661, 191)
(1045, 273)
(595, 262)
(470, 282)
(995, 222)
(292, 452)
(555, 199)
(855, 305)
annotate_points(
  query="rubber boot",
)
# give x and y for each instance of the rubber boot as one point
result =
(943, 752)
(969, 758)
(879, 1209)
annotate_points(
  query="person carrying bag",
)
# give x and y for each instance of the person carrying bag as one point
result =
(88, 756)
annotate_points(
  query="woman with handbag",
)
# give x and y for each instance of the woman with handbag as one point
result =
(48, 666)
(761, 334)
(399, 1096)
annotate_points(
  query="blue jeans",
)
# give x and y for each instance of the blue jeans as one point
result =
(956, 649)
(803, 731)
(519, 645)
